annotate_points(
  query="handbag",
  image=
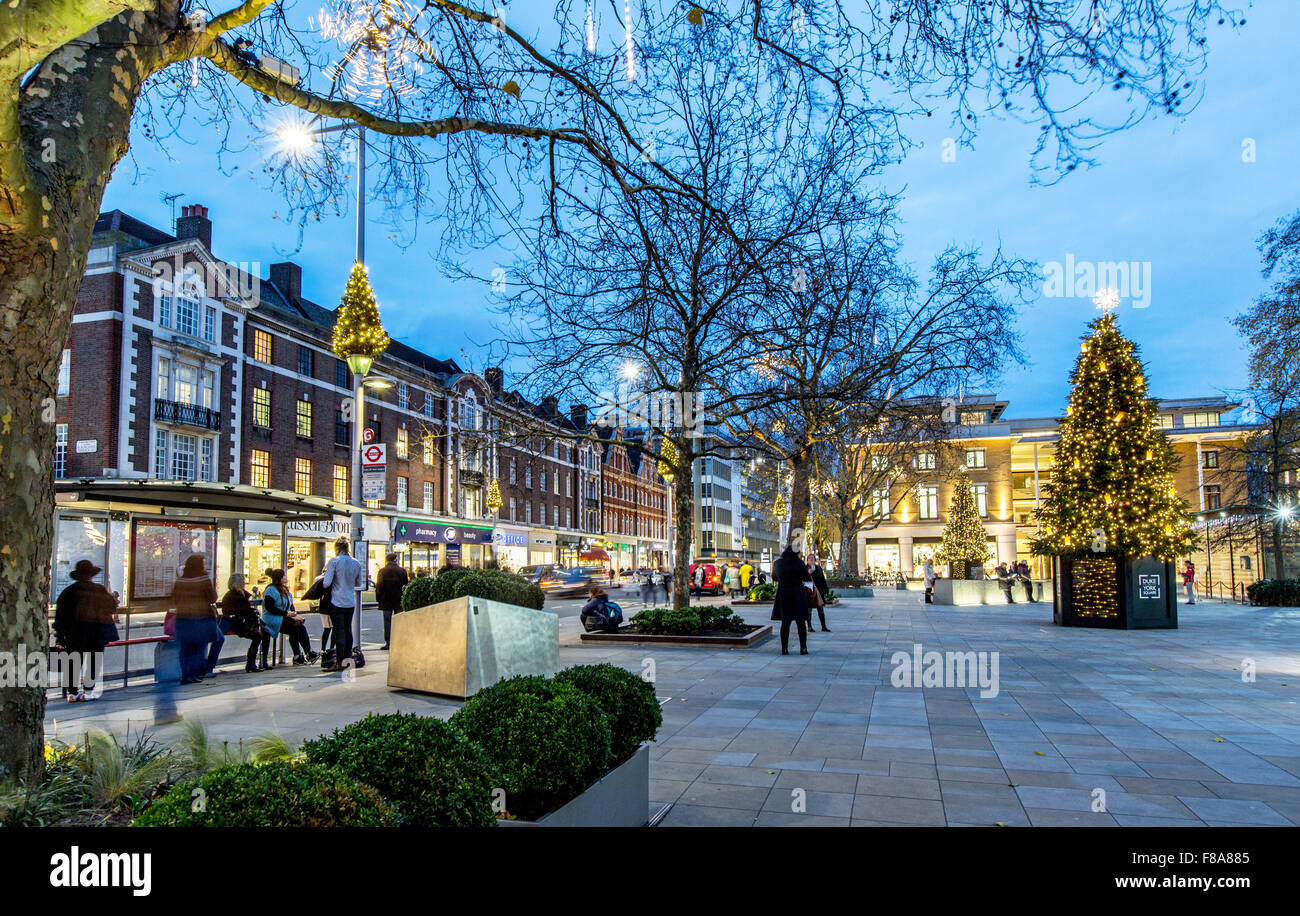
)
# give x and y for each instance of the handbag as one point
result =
(169, 624)
(317, 590)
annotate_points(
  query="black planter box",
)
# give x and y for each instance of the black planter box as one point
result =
(1114, 592)
(965, 569)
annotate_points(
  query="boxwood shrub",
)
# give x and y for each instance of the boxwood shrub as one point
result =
(430, 773)
(628, 700)
(764, 592)
(418, 593)
(667, 621)
(1275, 592)
(493, 584)
(281, 794)
(548, 739)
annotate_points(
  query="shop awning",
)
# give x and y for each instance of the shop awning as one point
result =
(196, 497)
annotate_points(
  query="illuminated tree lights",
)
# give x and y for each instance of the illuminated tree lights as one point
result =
(1095, 593)
(356, 323)
(494, 496)
(1113, 483)
(667, 459)
(964, 538)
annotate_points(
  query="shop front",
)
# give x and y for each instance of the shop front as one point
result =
(541, 548)
(433, 544)
(510, 547)
(569, 548)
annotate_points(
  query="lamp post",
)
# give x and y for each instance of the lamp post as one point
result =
(297, 139)
(360, 365)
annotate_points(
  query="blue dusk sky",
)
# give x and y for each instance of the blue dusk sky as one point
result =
(1173, 195)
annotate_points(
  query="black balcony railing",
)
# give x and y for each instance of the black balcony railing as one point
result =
(185, 414)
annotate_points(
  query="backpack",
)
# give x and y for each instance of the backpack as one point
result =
(613, 613)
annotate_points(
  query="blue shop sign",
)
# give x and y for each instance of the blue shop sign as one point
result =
(509, 539)
(405, 529)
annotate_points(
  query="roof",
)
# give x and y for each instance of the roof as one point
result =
(203, 497)
(115, 221)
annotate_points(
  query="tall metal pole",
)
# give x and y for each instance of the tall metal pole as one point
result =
(361, 194)
(358, 533)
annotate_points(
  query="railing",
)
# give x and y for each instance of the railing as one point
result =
(186, 414)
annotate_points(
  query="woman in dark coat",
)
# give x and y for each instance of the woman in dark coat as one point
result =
(791, 604)
(819, 581)
(239, 616)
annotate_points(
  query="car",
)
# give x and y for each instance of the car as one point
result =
(567, 583)
(535, 574)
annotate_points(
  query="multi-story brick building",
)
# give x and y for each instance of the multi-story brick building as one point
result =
(1009, 463)
(215, 390)
(635, 501)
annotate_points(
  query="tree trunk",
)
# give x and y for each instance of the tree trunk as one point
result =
(683, 516)
(75, 116)
(848, 553)
(800, 493)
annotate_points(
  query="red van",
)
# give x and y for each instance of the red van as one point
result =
(712, 578)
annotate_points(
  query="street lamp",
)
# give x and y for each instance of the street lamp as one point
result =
(297, 140)
(360, 366)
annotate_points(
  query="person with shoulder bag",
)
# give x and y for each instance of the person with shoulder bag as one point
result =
(278, 614)
(195, 599)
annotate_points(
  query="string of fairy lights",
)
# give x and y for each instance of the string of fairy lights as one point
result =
(357, 329)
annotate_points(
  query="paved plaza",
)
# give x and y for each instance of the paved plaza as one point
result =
(1161, 722)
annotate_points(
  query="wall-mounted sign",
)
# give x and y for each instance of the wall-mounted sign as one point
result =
(374, 471)
(436, 533)
(87, 446)
(509, 539)
(320, 528)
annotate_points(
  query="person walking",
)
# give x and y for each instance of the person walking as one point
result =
(648, 588)
(388, 593)
(195, 599)
(1005, 581)
(1022, 570)
(928, 575)
(792, 592)
(344, 575)
(1189, 581)
(279, 615)
(746, 577)
(242, 621)
(83, 626)
(819, 582)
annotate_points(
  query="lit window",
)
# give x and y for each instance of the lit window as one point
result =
(974, 417)
(259, 468)
(880, 503)
(925, 461)
(1212, 497)
(927, 502)
(403, 443)
(261, 345)
(303, 418)
(879, 462)
(429, 450)
(980, 492)
(428, 497)
(342, 493)
(187, 383)
(262, 407)
(302, 476)
(974, 457)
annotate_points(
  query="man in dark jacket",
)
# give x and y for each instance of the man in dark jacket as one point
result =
(83, 625)
(388, 592)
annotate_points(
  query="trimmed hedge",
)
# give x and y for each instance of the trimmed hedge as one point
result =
(281, 794)
(764, 592)
(687, 621)
(430, 773)
(1275, 592)
(548, 739)
(493, 584)
(628, 700)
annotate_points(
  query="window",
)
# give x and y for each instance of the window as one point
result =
(205, 459)
(974, 457)
(927, 502)
(306, 358)
(880, 503)
(61, 449)
(542, 475)
(428, 497)
(65, 373)
(210, 324)
(568, 517)
(261, 345)
(974, 417)
(163, 383)
(341, 374)
(981, 493)
(1209, 459)
(555, 516)
(187, 383)
(1201, 418)
(262, 407)
(879, 462)
(428, 405)
(342, 429)
(1212, 497)
(342, 492)
(208, 394)
(403, 396)
(469, 415)
(403, 485)
(512, 470)
(1166, 421)
(568, 484)
(187, 315)
(259, 468)
(430, 451)
(528, 476)
(512, 509)
(165, 311)
(303, 418)
(925, 461)
(556, 478)
(403, 443)
(528, 511)
(183, 457)
(160, 454)
(302, 476)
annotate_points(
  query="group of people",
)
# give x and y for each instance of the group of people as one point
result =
(653, 583)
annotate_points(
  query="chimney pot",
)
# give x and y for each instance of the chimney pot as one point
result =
(194, 224)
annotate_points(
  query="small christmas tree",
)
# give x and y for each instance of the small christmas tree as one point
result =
(494, 496)
(1112, 489)
(964, 539)
(667, 466)
(356, 323)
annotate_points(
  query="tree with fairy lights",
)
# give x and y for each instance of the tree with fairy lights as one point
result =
(965, 543)
(1112, 499)
(356, 323)
(494, 496)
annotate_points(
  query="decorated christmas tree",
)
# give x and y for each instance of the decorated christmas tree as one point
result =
(1112, 489)
(494, 496)
(356, 323)
(964, 540)
(667, 466)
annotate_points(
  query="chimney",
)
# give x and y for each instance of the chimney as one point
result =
(194, 224)
(287, 276)
(551, 405)
(495, 379)
(578, 414)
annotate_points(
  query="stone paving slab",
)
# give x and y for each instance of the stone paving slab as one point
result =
(1159, 720)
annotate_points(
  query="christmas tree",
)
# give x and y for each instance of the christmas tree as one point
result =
(667, 466)
(356, 323)
(964, 538)
(494, 496)
(1113, 484)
